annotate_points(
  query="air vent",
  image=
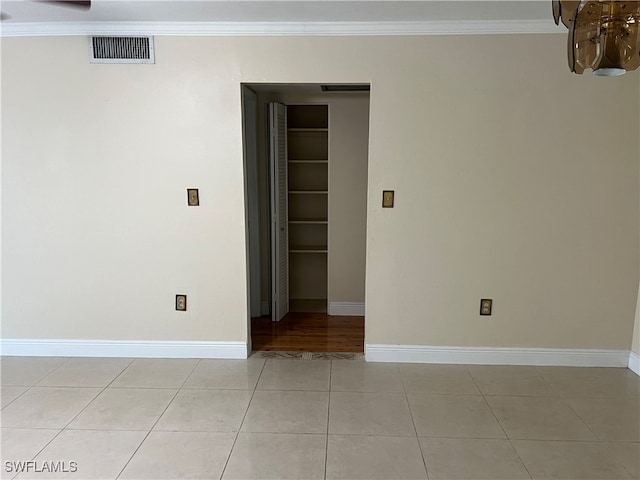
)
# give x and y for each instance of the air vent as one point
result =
(121, 50)
(346, 88)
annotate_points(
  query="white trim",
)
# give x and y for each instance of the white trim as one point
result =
(121, 348)
(497, 356)
(634, 363)
(450, 27)
(355, 309)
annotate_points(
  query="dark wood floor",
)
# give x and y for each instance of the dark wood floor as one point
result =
(308, 332)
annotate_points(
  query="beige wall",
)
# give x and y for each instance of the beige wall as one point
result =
(510, 183)
(349, 143)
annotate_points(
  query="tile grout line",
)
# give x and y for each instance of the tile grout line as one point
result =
(99, 393)
(195, 367)
(29, 387)
(81, 410)
(395, 435)
(537, 370)
(617, 459)
(157, 419)
(598, 439)
(54, 370)
(413, 422)
(565, 401)
(550, 384)
(326, 441)
(498, 421)
(146, 436)
(253, 392)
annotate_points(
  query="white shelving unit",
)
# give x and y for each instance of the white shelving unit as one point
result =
(308, 174)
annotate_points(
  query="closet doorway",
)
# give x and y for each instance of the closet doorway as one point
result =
(306, 156)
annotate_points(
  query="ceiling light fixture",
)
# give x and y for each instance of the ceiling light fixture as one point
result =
(604, 35)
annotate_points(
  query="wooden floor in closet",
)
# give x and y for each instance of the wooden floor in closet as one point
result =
(308, 332)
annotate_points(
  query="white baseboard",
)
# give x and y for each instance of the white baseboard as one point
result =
(497, 356)
(355, 309)
(121, 348)
(634, 363)
(373, 353)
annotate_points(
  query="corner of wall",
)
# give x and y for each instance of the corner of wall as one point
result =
(634, 357)
(635, 344)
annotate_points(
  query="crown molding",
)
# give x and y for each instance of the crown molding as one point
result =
(463, 27)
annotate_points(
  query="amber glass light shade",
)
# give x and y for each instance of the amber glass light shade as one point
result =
(604, 35)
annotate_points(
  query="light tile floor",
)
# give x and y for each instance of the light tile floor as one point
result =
(336, 419)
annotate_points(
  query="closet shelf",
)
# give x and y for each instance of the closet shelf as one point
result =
(308, 161)
(308, 249)
(308, 221)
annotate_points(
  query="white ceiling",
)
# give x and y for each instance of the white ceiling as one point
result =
(277, 11)
(259, 16)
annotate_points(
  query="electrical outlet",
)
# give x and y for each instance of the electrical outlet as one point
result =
(485, 306)
(387, 198)
(193, 199)
(181, 303)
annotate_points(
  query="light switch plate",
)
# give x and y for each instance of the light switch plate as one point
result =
(387, 198)
(193, 198)
(486, 304)
(181, 303)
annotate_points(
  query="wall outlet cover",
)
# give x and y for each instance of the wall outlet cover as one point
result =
(387, 198)
(486, 304)
(181, 303)
(193, 198)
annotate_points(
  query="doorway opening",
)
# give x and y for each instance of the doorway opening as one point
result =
(306, 161)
